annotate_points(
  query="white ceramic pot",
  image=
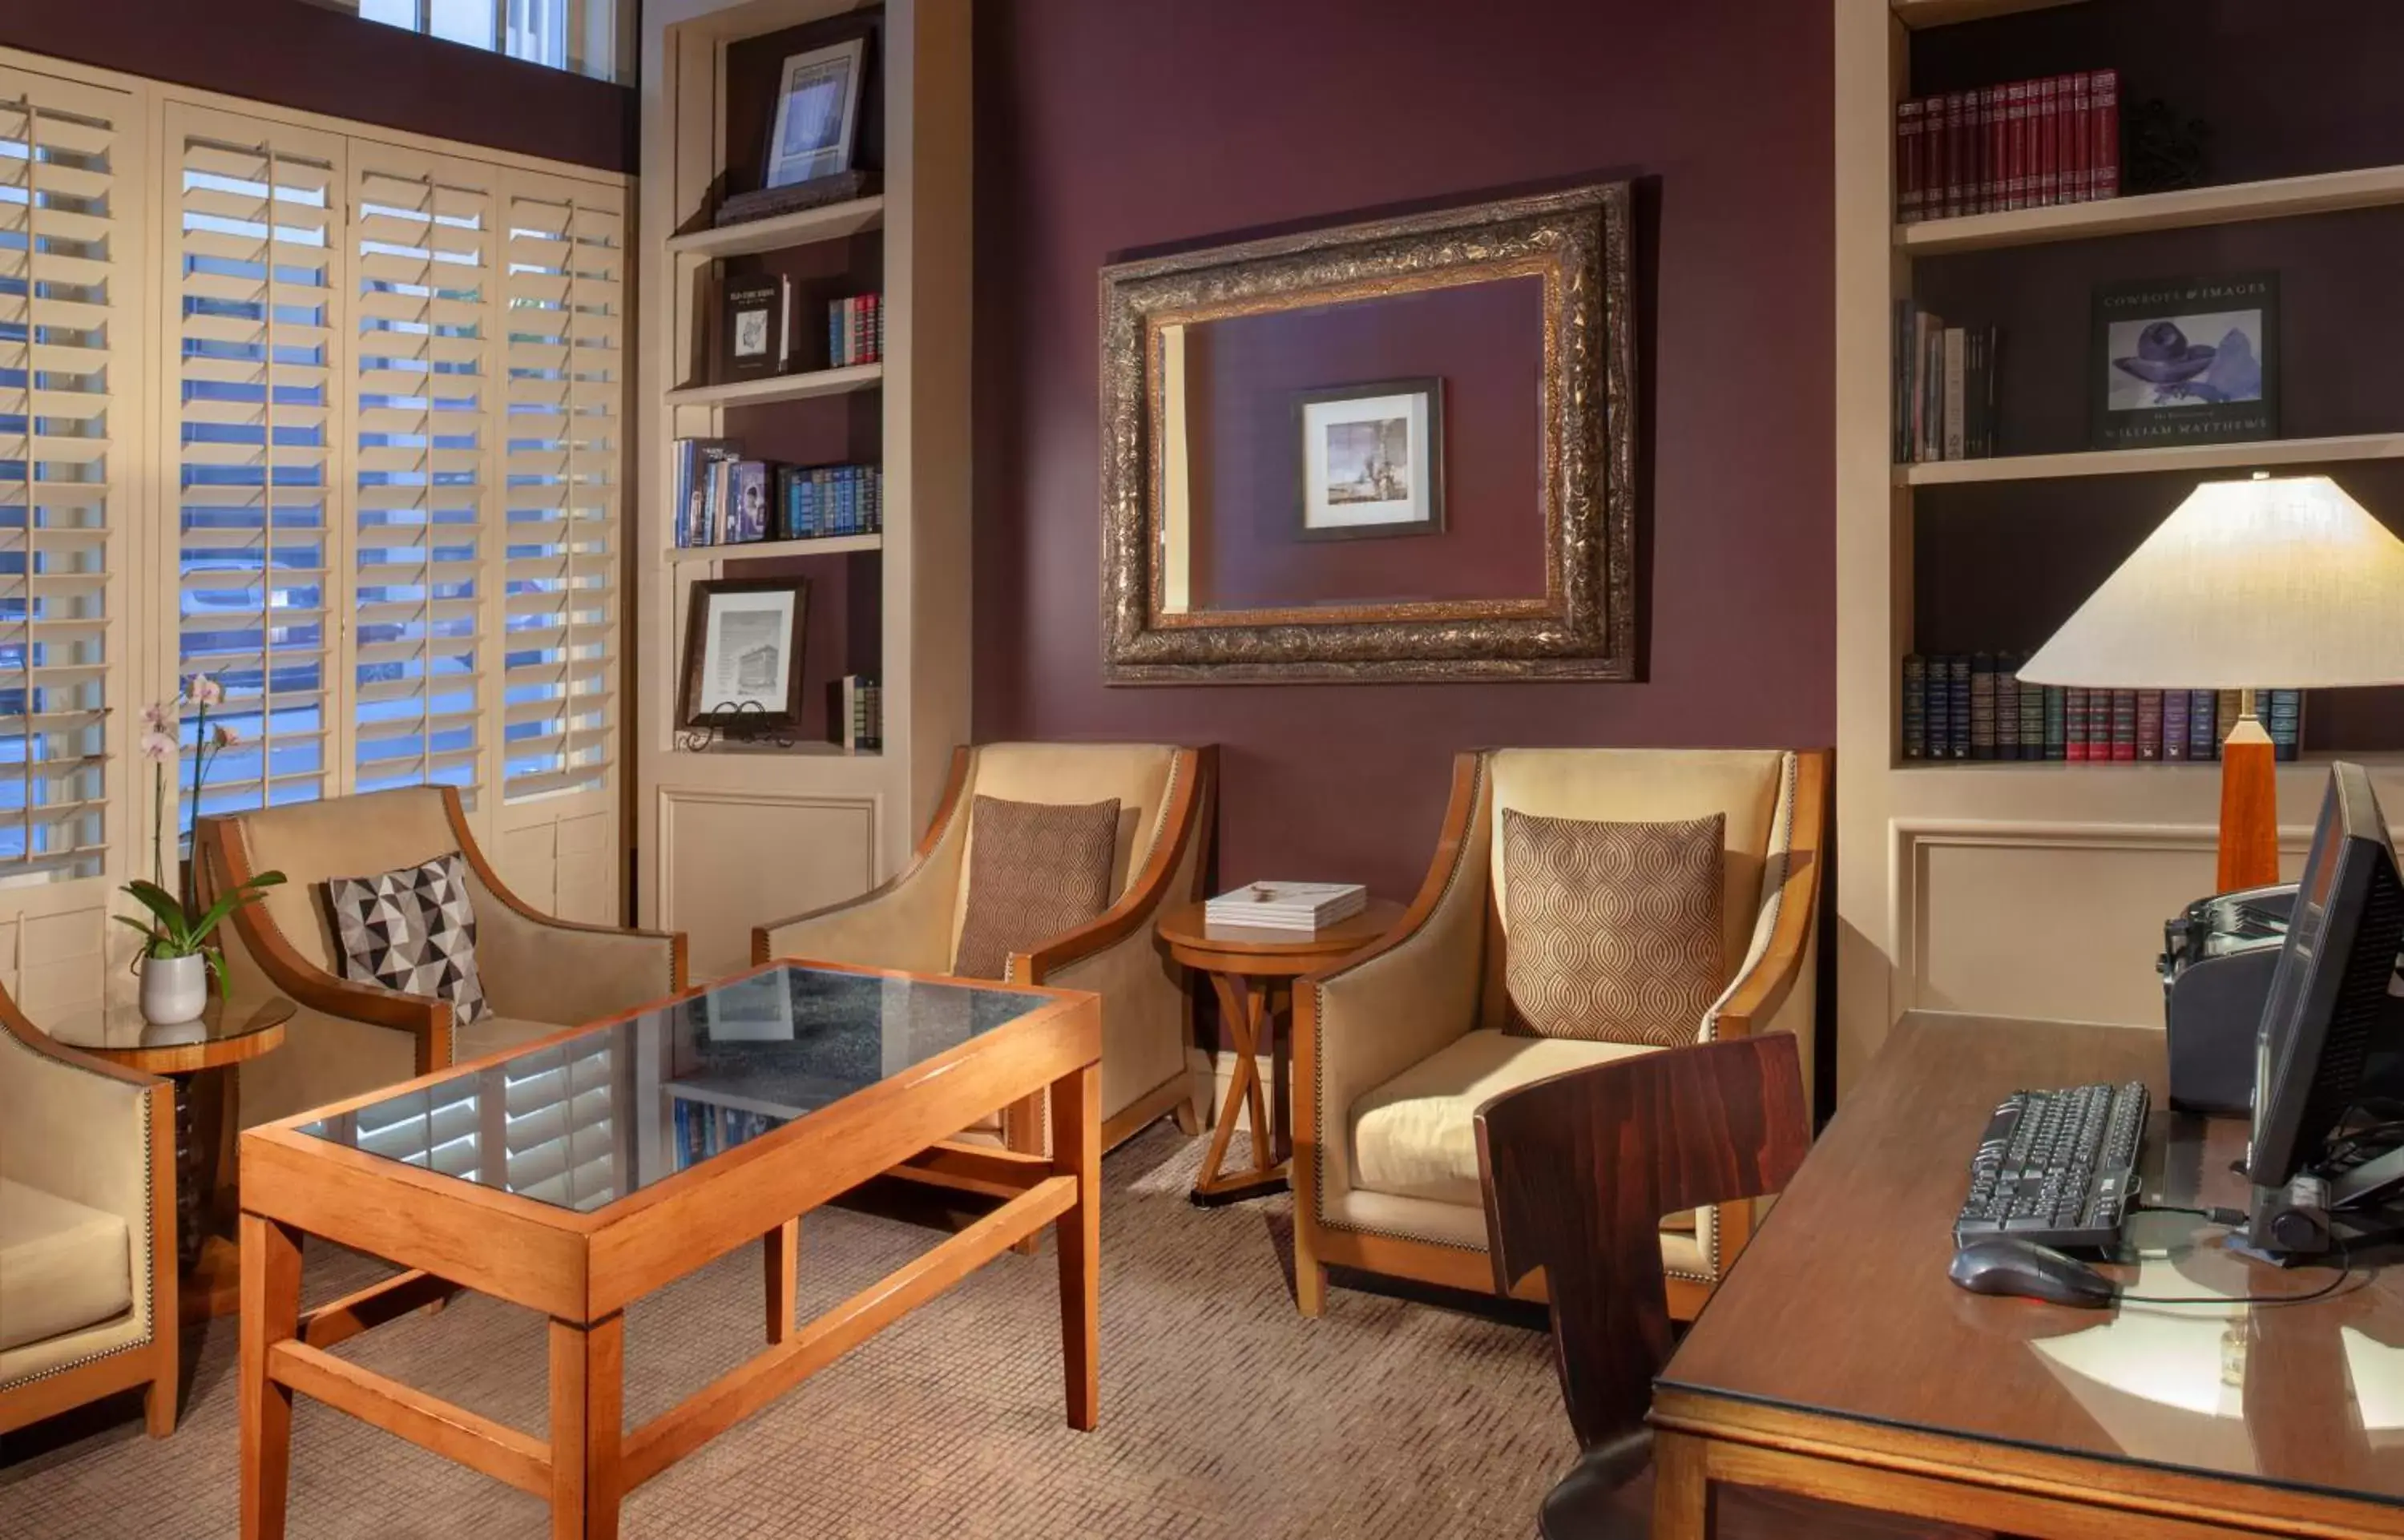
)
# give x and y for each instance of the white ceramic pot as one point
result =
(175, 989)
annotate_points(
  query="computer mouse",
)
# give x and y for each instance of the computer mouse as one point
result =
(2004, 1265)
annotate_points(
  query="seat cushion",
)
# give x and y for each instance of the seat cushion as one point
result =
(413, 930)
(1035, 870)
(63, 1266)
(1614, 928)
(1413, 1137)
(495, 1033)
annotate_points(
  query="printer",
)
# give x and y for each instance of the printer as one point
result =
(2218, 955)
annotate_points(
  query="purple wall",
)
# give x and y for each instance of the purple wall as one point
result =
(1106, 128)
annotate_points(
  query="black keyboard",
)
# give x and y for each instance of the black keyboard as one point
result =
(2057, 1168)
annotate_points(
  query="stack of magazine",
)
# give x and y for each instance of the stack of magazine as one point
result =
(1303, 907)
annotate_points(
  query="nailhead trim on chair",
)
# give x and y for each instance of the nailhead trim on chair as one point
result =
(147, 1273)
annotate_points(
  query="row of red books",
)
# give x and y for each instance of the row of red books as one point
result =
(2025, 144)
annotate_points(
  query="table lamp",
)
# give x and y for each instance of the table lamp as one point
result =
(2279, 580)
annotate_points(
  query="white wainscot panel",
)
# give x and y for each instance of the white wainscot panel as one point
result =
(732, 860)
(2060, 921)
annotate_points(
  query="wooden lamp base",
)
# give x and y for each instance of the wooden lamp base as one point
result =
(2249, 808)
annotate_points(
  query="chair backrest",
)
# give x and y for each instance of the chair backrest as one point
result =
(1579, 1170)
(354, 836)
(1140, 776)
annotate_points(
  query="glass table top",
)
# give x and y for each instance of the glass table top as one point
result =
(119, 1029)
(592, 1118)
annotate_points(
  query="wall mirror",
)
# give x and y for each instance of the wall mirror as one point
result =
(1397, 450)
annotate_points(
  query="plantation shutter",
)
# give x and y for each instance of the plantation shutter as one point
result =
(560, 1130)
(70, 211)
(565, 252)
(260, 276)
(424, 353)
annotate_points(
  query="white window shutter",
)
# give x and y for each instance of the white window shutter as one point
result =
(259, 279)
(70, 217)
(565, 258)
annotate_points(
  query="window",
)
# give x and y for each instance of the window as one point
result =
(60, 292)
(584, 36)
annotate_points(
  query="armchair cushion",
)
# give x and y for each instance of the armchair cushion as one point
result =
(1035, 870)
(63, 1266)
(413, 930)
(1614, 928)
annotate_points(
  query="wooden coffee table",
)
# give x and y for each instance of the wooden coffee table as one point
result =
(1253, 972)
(677, 1134)
(227, 1033)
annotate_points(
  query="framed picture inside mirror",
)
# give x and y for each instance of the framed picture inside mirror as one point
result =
(1372, 459)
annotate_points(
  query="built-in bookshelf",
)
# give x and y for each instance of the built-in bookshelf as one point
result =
(889, 607)
(2074, 862)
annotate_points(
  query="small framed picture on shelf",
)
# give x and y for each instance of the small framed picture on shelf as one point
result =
(2186, 360)
(1372, 458)
(818, 114)
(743, 654)
(755, 328)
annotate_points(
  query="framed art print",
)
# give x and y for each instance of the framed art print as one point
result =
(1372, 459)
(743, 652)
(2186, 360)
(818, 114)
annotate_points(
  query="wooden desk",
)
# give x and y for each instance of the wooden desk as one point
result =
(1838, 1361)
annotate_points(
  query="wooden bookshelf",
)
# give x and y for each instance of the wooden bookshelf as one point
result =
(2234, 203)
(753, 551)
(784, 231)
(1945, 13)
(780, 387)
(2199, 458)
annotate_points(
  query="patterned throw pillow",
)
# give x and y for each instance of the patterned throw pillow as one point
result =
(1613, 928)
(413, 930)
(1035, 869)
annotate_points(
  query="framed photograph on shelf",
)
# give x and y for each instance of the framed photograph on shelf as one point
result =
(818, 114)
(1372, 458)
(2186, 360)
(743, 654)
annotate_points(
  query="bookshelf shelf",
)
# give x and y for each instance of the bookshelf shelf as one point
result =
(830, 223)
(782, 388)
(2132, 462)
(807, 749)
(828, 545)
(2236, 203)
(2310, 772)
(1944, 13)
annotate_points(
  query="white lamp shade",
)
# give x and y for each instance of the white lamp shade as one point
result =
(2282, 582)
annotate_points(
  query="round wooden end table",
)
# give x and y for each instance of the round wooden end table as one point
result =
(1254, 970)
(224, 1034)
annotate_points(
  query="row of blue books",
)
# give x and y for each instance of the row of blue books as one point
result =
(704, 1129)
(723, 499)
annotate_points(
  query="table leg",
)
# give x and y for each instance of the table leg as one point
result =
(1278, 1023)
(1077, 1151)
(1683, 1501)
(781, 1251)
(1247, 1008)
(587, 1421)
(271, 1314)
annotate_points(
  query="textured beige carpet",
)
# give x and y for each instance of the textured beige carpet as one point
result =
(1224, 1412)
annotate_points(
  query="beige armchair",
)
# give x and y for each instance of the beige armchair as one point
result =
(1396, 1049)
(539, 973)
(88, 1301)
(913, 922)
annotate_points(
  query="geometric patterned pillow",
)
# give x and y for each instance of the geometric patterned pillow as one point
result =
(412, 931)
(1612, 929)
(1035, 870)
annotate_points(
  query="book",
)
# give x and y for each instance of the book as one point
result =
(2104, 126)
(746, 517)
(2149, 724)
(2075, 712)
(2283, 716)
(2122, 706)
(2033, 719)
(2203, 742)
(2176, 731)
(2057, 723)
(1982, 706)
(1305, 907)
(1956, 345)
(2225, 706)
(752, 318)
(2007, 707)
(2079, 147)
(2015, 141)
(1915, 707)
(1957, 707)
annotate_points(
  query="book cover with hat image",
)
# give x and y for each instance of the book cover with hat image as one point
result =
(2188, 360)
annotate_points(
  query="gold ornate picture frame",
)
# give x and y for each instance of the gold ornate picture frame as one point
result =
(1585, 624)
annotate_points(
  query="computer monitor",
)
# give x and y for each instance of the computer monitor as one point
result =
(2330, 1003)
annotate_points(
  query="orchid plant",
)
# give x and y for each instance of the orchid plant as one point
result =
(176, 927)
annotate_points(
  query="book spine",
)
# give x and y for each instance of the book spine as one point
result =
(1982, 706)
(2049, 145)
(2078, 144)
(2057, 722)
(1991, 148)
(2201, 742)
(2015, 176)
(1956, 136)
(2031, 720)
(1989, 364)
(1914, 708)
(2103, 117)
(2123, 708)
(2075, 724)
(2282, 717)
(1932, 367)
(2175, 730)
(2007, 707)
(2149, 724)
(1955, 361)
(2225, 706)
(1957, 706)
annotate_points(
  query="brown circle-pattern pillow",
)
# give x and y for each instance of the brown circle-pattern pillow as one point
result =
(1035, 869)
(1613, 930)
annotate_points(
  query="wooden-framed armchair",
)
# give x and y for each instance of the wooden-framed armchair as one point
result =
(1165, 796)
(88, 1297)
(1396, 1049)
(539, 973)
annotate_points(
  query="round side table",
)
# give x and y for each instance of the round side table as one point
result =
(225, 1034)
(1253, 972)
